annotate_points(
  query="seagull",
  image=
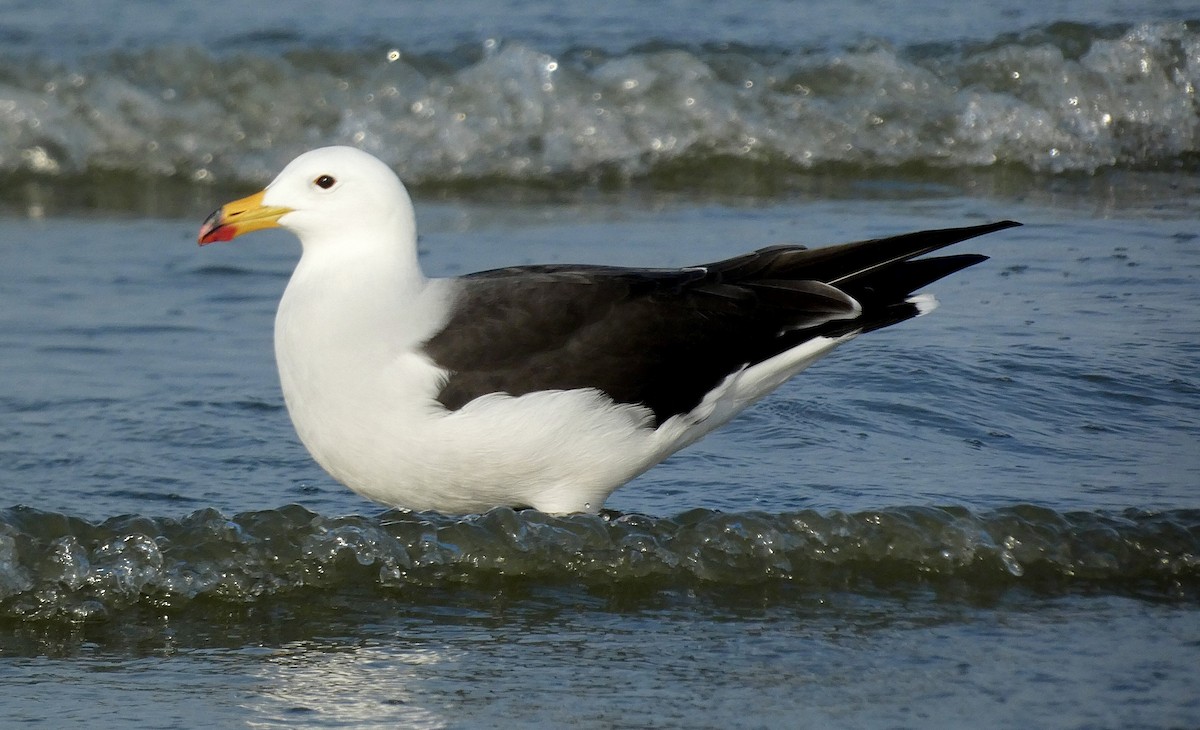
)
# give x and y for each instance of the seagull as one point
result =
(544, 387)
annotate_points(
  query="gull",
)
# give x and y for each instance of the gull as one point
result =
(544, 387)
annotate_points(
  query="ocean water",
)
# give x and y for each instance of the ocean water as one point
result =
(986, 517)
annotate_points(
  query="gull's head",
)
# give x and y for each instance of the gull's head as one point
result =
(324, 196)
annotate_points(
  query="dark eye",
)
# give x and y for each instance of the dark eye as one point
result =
(324, 182)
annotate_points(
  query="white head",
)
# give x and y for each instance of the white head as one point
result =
(333, 196)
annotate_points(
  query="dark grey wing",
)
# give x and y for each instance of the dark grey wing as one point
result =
(665, 338)
(656, 338)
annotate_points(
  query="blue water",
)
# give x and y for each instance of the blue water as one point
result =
(984, 517)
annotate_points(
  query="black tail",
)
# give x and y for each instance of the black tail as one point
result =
(842, 264)
(875, 260)
(881, 273)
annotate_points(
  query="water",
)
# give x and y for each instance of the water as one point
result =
(466, 109)
(983, 517)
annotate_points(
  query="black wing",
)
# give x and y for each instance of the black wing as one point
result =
(664, 338)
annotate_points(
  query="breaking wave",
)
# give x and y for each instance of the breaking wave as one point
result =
(1060, 99)
(54, 566)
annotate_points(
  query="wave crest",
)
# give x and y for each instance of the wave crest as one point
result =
(1067, 98)
(54, 566)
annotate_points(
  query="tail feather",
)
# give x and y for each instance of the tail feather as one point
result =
(899, 280)
(880, 274)
(843, 264)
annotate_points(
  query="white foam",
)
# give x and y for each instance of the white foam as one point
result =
(633, 114)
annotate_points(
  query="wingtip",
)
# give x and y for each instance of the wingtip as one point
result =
(986, 228)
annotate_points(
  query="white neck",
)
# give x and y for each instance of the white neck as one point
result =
(357, 277)
(346, 342)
